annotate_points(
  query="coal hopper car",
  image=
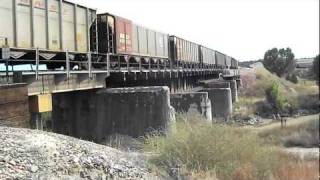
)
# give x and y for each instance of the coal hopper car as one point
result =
(207, 57)
(234, 64)
(184, 53)
(131, 42)
(220, 60)
(228, 61)
(48, 29)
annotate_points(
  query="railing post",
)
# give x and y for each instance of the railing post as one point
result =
(6, 56)
(37, 63)
(68, 64)
(158, 64)
(7, 71)
(89, 65)
(108, 63)
(140, 65)
(126, 58)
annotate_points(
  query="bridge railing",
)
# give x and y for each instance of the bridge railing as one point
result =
(35, 63)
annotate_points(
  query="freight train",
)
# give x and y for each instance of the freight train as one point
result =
(56, 31)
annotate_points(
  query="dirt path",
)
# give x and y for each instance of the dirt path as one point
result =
(290, 122)
(303, 153)
(300, 152)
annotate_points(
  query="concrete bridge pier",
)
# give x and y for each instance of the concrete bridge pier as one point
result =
(94, 115)
(239, 83)
(193, 102)
(14, 107)
(221, 103)
(232, 84)
(234, 90)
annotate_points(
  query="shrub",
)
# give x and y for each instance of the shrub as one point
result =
(305, 134)
(199, 148)
(275, 97)
(305, 137)
(292, 78)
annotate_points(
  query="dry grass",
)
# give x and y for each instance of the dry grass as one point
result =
(245, 106)
(304, 134)
(262, 79)
(198, 149)
(291, 168)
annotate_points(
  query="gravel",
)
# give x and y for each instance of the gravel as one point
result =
(33, 154)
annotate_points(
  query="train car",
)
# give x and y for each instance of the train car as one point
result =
(220, 60)
(183, 51)
(228, 61)
(208, 57)
(121, 36)
(52, 26)
(234, 63)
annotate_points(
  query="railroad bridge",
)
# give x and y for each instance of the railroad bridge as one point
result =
(81, 95)
(103, 73)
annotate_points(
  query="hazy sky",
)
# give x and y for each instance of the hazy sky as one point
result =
(244, 29)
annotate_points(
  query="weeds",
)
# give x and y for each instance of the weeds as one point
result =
(294, 168)
(200, 148)
(302, 134)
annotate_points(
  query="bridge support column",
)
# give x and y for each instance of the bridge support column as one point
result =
(232, 84)
(234, 90)
(221, 102)
(133, 111)
(39, 104)
(195, 102)
(238, 83)
(14, 108)
(94, 115)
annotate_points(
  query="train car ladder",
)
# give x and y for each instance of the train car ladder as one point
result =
(94, 37)
(110, 39)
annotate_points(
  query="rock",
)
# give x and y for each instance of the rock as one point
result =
(75, 160)
(33, 168)
(12, 162)
(29, 154)
(6, 159)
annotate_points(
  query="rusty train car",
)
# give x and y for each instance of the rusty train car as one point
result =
(55, 31)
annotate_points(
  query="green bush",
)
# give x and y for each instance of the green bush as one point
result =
(292, 78)
(198, 147)
(275, 97)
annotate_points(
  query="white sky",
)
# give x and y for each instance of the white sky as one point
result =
(244, 29)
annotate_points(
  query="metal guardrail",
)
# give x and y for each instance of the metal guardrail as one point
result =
(6, 57)
(121, 66)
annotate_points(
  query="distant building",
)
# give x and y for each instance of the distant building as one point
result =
(304, 62)
(256, 65)
(303, 67)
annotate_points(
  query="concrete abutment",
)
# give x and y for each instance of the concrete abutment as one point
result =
(192, 102)
(94, 115)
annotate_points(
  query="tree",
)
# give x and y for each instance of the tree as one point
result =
(315, 68)
(279, 61)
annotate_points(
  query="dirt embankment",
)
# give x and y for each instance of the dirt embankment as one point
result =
(32, 154)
